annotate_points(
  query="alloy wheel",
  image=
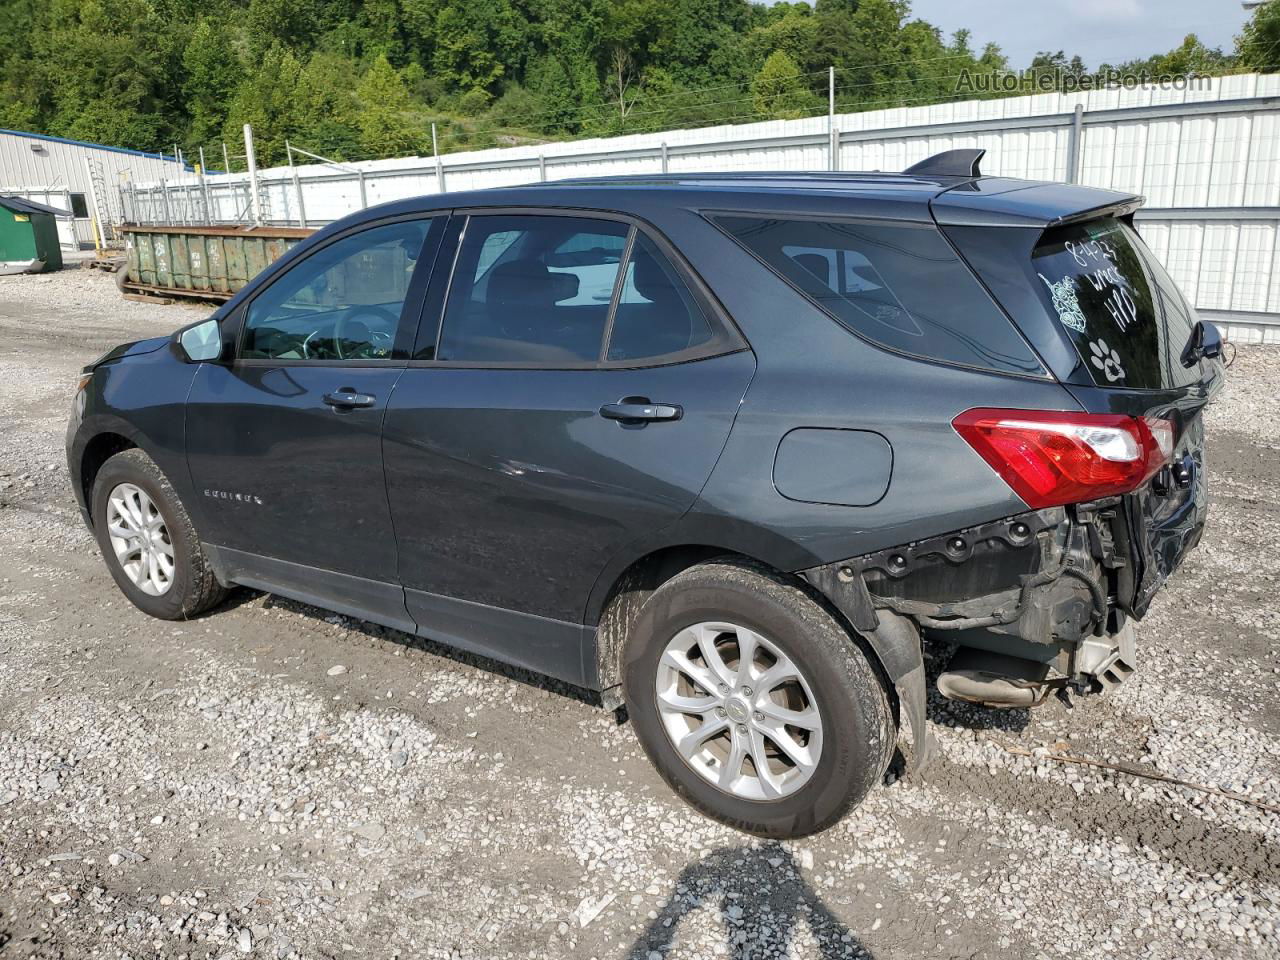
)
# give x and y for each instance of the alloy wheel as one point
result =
(739, 711)
(140, 539)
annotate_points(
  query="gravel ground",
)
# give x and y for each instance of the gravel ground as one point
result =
(275, 781)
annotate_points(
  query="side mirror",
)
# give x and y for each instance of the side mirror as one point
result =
(201, 342)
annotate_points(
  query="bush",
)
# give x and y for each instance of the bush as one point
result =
(473, 103)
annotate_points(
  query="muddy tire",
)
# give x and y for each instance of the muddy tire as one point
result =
(148, 541)
(753, 701)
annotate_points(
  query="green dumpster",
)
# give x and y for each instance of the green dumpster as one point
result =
(29, 236)
(208, 263)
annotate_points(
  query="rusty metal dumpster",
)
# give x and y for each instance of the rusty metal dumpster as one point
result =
(207, 263)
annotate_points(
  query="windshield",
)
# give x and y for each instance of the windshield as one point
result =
(1119, 307)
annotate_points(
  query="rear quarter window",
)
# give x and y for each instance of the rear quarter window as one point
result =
(1121, 311)
(899, 285)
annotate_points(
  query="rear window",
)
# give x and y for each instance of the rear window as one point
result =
(1117, 305)
(898, 285)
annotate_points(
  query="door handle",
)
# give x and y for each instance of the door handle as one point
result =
(640, 410)
(344, 398)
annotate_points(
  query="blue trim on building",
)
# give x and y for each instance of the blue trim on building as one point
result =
(96, 146)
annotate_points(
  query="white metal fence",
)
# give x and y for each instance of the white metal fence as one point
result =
(1208, 161)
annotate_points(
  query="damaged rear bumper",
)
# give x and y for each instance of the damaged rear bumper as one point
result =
(1036, 602)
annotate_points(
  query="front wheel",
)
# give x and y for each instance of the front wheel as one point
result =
(148, 541)
(753, 701)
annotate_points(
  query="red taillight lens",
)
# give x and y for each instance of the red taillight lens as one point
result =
(1050, 458)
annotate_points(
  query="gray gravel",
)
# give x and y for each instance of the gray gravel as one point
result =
(276, 781)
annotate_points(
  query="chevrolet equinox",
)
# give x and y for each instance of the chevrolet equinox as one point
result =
(726, 449)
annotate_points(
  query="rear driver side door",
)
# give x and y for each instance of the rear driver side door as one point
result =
(284, 441)
(573, 400)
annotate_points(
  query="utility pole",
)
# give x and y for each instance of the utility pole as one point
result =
(254, 200)
(297, 187)
(204, 189)
(833, 147)
(435, 152)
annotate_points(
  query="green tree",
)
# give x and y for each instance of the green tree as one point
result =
(1191, 57)
(325, 116)
(385, 128)
(291, 24)
(700, 42)
(1056, 65)
(476, 42)
(17, 112)
(867, 46)
(1258, 46)
(382, 30)
(778, 90)
(265, 100)
(104, 71)
(147, 73)
(213, 72)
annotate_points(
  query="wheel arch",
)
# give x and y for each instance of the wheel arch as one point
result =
(98, 449)
(625, 593)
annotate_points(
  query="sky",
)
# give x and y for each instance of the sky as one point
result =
(1100, 31)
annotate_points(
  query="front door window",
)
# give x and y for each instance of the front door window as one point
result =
(341, 303)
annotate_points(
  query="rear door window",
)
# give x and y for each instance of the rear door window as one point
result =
(561, 291)
(531, 289)
(1121, 311)
(657, 314)
(899, 285)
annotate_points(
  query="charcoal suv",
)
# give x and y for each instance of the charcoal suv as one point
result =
(726, 449)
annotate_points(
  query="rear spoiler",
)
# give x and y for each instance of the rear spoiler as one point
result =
(1004, 202)
(1120, 211)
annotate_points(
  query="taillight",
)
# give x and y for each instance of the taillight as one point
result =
(1050, 458)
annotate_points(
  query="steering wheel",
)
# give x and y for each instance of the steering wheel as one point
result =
(373, 344)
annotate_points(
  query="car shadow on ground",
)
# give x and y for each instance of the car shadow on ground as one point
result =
(243, 595)
(762, 897)
(971, 716)
(940, 710)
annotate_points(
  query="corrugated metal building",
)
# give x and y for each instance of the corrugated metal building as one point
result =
(53, 170)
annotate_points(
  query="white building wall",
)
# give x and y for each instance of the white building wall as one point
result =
(50, 169)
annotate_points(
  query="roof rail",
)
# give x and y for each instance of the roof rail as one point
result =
(949, 163)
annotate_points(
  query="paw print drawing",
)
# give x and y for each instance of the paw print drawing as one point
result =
(1106, 360)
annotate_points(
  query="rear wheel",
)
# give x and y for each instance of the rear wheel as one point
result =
(148, 541)
(753, 701)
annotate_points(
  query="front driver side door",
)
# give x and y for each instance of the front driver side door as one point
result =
(284, 442)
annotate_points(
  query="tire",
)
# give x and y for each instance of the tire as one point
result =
(853, 744)
(191, 586)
